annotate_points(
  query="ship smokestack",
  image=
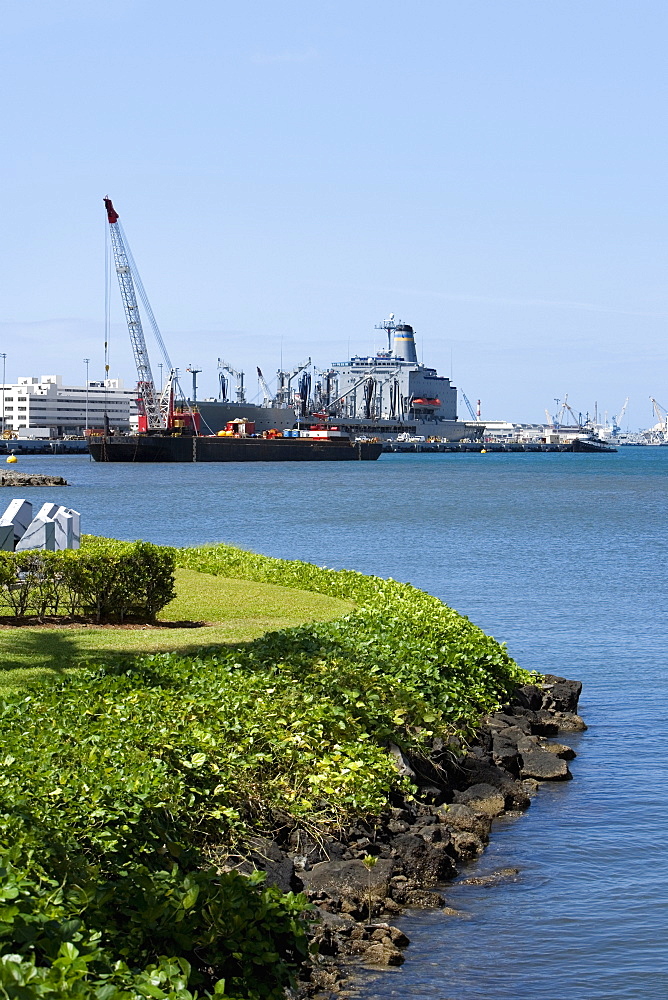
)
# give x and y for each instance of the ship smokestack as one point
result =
(404, 343)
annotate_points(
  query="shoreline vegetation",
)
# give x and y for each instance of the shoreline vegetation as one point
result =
(250, 817)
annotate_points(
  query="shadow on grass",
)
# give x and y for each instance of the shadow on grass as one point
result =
(37, 655)
(53, 651)
(152, 673)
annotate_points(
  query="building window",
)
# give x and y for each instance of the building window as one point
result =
(22, 407)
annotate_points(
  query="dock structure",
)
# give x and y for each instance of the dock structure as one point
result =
(506, 447)
(39, 446)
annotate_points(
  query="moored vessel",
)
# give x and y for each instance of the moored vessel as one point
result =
(194, 448)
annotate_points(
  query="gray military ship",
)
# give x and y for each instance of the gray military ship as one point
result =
(387, 395)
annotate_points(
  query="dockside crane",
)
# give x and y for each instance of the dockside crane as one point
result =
(158, 407)
(660, 412)
(239, 376)
(145, 383)
(660, 429)
(577, 417)
(474, 416)
(617, 421)
(268, 399)
(559, 417)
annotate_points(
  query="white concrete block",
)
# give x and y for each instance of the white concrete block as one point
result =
(6, 537)
(64, 524)
(47, 510)
(40, 534)
(76, 527)
(19, 514)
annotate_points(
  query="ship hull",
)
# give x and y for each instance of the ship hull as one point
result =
(159, 448)
(589, 445)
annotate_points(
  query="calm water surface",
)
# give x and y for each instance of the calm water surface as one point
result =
(562, 557)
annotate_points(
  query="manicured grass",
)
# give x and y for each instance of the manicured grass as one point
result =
(239, 610)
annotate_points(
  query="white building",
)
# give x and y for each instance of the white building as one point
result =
(43, 407)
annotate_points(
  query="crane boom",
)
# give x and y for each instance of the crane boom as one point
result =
(616, 421)
(154, 417)
(474, 415)
(659, 412)
(576, 419)
(265, 388)
(136, 277)
(622, 411)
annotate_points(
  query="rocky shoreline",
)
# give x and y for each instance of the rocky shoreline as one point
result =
(364, 878)
(21, 479)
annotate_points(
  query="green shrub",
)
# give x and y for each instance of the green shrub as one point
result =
(106, 578)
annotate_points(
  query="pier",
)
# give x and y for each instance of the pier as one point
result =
(463, 447)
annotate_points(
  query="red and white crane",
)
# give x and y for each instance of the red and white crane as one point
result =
(158, 408)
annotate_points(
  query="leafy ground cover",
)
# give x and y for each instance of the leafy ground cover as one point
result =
(236, 610)
(120, 783)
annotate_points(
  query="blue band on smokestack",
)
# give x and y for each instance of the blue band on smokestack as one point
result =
(404, 343)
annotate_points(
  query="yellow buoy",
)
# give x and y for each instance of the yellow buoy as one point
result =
(11, 459)
(483, 451)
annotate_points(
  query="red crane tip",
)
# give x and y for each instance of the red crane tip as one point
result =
(112, 214)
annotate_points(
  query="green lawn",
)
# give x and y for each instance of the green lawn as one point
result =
(239, 610)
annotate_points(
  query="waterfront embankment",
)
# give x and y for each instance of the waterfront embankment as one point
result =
(361, 880)
(168, 773)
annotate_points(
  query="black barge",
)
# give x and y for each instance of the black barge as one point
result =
(189, 448)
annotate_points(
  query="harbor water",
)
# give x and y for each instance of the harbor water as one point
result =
(563, 558)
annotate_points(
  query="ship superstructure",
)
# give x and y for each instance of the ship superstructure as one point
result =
(391, 385)
(386, 395)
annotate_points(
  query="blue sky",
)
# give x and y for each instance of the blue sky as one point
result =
(288, 174)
